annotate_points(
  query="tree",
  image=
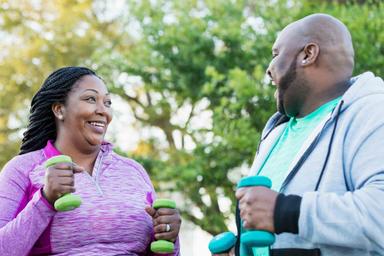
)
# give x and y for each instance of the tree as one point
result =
(192, 73)
(213, 54)
(37, 38)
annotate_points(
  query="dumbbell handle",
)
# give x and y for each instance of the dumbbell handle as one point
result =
(163, 246)
(252, 239)
(225, 241)
(68, 201)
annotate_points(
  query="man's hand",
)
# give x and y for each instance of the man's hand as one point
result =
(257, 205)
(161, 217)
(230, 253)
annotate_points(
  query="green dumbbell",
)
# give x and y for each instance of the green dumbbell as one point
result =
(163, 246)
(68, 201)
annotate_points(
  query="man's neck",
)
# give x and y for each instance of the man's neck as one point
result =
(318, 99)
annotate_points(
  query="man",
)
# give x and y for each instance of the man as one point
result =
(323, 150)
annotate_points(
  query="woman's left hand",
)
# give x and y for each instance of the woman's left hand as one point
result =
(166, 223)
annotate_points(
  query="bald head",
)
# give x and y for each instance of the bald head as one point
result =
(332, 37)
(313, 60)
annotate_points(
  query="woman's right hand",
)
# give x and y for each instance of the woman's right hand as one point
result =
(60, 180)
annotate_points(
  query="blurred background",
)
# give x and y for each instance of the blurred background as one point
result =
(190, 96)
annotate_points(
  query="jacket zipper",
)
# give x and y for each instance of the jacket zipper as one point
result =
(95, 180)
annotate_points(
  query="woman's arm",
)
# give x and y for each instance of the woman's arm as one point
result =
(22, 221)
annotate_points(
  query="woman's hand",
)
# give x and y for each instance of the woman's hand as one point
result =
(163, 219)
(60, 180)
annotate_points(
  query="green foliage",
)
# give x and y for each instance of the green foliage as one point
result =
(201, 62)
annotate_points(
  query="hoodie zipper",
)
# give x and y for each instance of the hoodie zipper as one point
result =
(311, 148)
(95, 179)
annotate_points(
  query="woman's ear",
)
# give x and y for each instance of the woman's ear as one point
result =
(58, 111)
(311, 52)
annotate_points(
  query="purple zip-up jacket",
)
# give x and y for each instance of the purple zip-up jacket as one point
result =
(110, 221)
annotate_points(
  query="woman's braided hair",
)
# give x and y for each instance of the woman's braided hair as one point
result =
(42, 126)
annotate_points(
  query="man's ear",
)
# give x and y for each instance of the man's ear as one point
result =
(58, 110)
(311, 53)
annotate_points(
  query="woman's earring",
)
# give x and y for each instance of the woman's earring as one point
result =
(304, 61)
(60, 117)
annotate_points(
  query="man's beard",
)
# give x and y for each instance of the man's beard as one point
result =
(286, 82)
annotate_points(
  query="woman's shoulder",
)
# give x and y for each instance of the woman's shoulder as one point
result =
(20, 167)
(128, 164)
(126, 161)
(25, 162)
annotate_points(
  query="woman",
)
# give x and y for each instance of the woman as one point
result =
(70, 115)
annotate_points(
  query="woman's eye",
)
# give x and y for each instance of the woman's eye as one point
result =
(273, 56)
(91, 99)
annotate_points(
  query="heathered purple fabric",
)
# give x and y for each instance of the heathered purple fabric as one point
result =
(110, 221)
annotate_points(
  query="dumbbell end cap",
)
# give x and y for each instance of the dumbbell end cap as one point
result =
(57, 159)
(162, 246)
(164, 203)
(257, 238)
(222, 243)
(255, 181)
(67, 202)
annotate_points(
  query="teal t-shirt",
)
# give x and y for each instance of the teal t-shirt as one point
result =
(291, 140)
(288, 145)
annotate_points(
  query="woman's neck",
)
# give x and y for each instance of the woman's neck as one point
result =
(84, 158)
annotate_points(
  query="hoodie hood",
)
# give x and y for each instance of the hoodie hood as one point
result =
(362, 86)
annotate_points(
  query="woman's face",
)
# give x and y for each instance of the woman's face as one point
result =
(87, 112)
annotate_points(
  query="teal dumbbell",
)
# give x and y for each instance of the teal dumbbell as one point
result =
(222, 243)
(69, 201)
(163, 246)
(250, 239)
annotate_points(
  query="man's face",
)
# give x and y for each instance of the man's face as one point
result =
(290, 85)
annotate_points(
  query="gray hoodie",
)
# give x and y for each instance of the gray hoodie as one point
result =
(339, 172)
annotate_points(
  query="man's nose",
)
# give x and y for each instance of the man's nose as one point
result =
(268, 72)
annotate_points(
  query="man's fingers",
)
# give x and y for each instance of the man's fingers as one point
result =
(240, 193)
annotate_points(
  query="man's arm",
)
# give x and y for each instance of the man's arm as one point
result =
(353, 219)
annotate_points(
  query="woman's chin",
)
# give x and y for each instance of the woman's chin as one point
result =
(95, 142)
